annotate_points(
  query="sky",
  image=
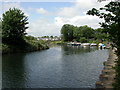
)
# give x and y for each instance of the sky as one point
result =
(48, 17)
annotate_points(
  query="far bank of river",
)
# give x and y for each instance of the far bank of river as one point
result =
(57, 67)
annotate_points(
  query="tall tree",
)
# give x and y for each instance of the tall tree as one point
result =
(87, 32)
(83, 31)
(111, 26)
(14, 26)
(77, 33)
(100, 35)
(67, 32)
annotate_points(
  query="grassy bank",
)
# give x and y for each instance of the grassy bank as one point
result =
(56, 42)
(30, 44)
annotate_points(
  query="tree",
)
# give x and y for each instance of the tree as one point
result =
(77, 33)
(83, 40)
(55, 36)
(87, 32)
(70, 32)
(14, 26)
(83, 31)
(51, 36)
(67, 32)
(111, 25)
(100, 35)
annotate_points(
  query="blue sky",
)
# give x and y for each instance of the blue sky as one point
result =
(47, 18)
(48, 6)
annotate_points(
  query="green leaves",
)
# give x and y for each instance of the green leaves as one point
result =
(82, 33)
(67, 32)
(111, 25)
(93, 12)
(13, 25)
(111, 16)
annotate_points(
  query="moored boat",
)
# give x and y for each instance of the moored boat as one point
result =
(102, 46)
(93, 44)
(85, 44)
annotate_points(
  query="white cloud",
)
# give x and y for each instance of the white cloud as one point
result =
(89, 4)
(68, 12)
(43, 27)
(61, 21)
(7, 5)
(79, 21)
(80, 7)
(85, 4)
(41, 11)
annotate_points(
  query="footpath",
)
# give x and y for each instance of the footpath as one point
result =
(107, 76)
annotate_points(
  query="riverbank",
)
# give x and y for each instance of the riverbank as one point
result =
(56, 42)
(29, 45)
(107, 78)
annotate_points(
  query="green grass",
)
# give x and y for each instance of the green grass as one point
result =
(56, 42)
(36, 45)
(30, 44)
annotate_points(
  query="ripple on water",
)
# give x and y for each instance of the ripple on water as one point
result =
(57, 67)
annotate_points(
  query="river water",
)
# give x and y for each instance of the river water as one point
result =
(57, 67)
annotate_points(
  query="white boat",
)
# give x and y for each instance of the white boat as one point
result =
(93, 44)
(102, 46)
(85, 44)
(74, 43)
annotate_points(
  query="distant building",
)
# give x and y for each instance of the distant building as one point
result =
(50, 39)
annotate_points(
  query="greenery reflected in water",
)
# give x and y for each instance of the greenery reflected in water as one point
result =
(13, 70)
(68, 49)
(57, 67)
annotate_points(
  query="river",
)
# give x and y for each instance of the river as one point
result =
(57, 67)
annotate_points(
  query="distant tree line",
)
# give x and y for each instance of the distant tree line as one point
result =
(82, 33)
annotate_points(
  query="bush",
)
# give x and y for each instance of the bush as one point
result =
(83, 40)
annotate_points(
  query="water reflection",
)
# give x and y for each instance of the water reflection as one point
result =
(0, 71)
(13, 71)
(77, 49)
(57, 67)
